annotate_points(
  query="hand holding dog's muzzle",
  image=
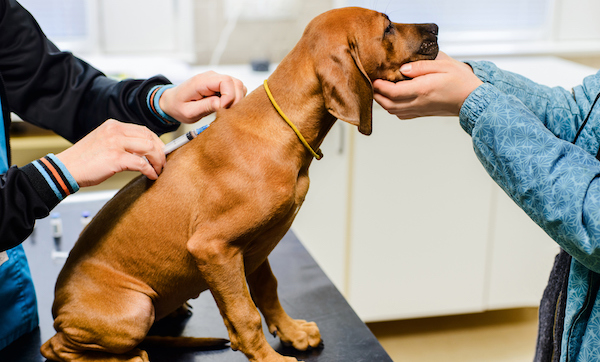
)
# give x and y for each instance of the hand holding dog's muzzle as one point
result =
(437, 88)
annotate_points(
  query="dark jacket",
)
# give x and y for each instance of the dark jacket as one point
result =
(56, 91)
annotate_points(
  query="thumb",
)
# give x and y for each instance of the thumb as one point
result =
(421, 67)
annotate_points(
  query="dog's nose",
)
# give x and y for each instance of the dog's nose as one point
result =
(432, 28)
(429, 46)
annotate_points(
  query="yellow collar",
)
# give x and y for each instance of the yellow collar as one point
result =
(318, 154)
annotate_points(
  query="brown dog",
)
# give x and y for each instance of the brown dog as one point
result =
(225, 200)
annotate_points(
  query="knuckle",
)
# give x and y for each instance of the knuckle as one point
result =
(209, 73)
(149, 145)
(149, 135)
(112, 124)
(188, 113)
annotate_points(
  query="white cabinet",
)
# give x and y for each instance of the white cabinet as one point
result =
(419, 222)
(520, 257)
(407, 223)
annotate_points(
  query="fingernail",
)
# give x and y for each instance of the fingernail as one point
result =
(405, 68)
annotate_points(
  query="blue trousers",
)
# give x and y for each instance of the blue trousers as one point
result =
(18, 305)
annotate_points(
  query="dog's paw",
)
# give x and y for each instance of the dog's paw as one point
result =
(299, 334)
(270, 356)
(185, 311)
(276, 358)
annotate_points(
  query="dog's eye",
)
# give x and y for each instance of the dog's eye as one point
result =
(390, 28)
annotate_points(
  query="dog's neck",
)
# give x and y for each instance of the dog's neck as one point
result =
(316, 154)
(296, 88)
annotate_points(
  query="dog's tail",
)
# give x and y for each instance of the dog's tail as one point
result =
(187, 342)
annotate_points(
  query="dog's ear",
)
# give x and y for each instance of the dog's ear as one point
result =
(347, 89)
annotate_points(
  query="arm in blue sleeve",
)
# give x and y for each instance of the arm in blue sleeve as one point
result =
(555, 182)
(561, 111)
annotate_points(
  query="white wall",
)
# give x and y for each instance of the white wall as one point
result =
(193, 29)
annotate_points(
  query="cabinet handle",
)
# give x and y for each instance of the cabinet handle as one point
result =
(342, 142)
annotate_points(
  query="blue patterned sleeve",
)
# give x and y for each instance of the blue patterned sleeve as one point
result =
(555, 182)
(561, 111)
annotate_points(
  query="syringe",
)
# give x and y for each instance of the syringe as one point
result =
(182, 140)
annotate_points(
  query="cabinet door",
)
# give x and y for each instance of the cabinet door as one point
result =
(522, 255)
(420, 216)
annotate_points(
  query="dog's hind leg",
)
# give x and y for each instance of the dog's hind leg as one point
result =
(100, 322)
(300, 334)
(135, 355)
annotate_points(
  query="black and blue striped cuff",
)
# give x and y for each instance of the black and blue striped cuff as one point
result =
(152, 101)
(51, 178)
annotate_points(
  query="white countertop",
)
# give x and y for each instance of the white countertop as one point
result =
(547, 70)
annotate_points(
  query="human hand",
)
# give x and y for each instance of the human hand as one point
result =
(201, 95)
(111, 148)
(439, 88)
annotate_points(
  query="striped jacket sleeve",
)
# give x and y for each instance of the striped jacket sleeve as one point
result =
(51, 179)
(29, 193)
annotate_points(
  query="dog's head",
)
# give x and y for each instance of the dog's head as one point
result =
(354, 46)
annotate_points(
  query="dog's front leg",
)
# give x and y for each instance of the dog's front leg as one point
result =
(222, 267)
(298, 333)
